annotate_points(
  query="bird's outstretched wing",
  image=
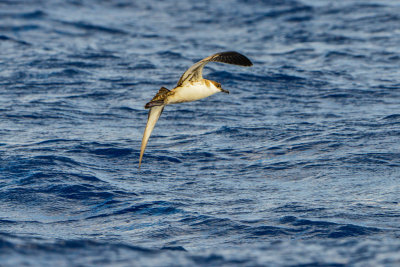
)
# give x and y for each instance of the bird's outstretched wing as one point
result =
(154, 113)
(156, 106)
(194, 73)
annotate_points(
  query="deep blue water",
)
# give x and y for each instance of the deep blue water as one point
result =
(298, 166)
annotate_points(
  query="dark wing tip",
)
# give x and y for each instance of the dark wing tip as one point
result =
(232, 57)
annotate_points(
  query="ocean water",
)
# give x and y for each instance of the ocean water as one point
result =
(298, 166)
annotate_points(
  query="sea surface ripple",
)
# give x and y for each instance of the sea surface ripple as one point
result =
(298, 166)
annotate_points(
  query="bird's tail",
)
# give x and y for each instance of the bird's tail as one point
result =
(154, 113)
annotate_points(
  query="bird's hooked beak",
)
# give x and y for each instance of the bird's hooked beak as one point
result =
(224, 91)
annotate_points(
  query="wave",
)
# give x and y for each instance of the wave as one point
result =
(37, 14)
(112, 152)
(39, 252)
(7, 38)
(89, 27)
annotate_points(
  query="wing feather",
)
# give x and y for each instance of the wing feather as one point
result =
(158, 99)
(154, 113)
(195, 71)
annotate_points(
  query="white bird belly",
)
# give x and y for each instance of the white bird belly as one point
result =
(191, 92)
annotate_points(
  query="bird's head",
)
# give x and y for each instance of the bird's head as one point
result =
(218, 85)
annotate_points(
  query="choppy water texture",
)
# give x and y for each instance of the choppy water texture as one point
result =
(299, 165)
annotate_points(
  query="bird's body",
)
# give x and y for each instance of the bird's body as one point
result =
(190, 87)
(192, 91)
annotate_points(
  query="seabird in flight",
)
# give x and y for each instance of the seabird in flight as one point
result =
(191, 86)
